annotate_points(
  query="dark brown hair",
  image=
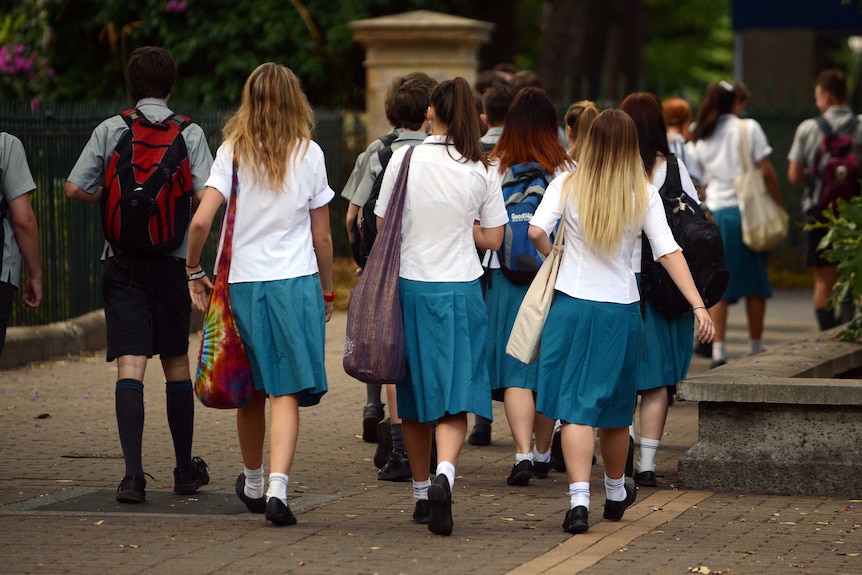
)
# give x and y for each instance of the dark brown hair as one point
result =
(454, 106)
(645, 110)
(410, 101)
(495, 103)
(833, 81)
(718, 100)
(152, 72)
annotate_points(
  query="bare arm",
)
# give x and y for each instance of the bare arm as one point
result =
(198, 230)
(321, 238)
(488, 238)
(540, 240)
(797, 173)
(73, 192)
(771, 179)
(677, 268)
(350, 219)
(27, 235)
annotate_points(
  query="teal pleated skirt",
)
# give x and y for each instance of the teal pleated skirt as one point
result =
(444, 331)
(667, 348)
(588, 362)
(748, 275)
(503, 299)
(283, 326)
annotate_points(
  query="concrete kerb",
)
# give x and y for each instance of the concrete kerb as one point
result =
(39, 343)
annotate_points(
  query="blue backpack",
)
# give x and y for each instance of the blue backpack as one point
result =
(519, 260)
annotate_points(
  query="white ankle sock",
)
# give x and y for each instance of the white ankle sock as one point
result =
(420, 489)
(519, 457)
(755, 346)
(277, 487)
(718, 353)
(447, 469)
(615, 488)
(541, 457)
(254, 483)
(579, 494)
(646, 460)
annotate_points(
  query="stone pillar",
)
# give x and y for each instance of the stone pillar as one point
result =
(440, 45)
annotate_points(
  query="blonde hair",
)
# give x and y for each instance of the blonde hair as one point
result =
(579, 117)
(273, 123)
(609, 187)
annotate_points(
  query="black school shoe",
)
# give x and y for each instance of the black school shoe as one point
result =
(541, 470)
(614, 509)
(440, 506)
(189, 482)
(397, 468)
(421, 512)
(131, 489)
(384, 442)
(521, 473)
(645, 478)
(481, 434)
(372, 414)
(253, 505)
(278, 512)
(576, 520)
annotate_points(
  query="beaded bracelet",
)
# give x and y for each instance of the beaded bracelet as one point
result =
(196, 275)
(698, 307)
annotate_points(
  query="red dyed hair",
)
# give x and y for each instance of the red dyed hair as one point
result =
(531, 133)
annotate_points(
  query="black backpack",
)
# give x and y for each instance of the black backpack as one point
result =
(362, 242)
(700, 240)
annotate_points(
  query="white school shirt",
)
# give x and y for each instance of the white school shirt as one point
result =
(584, 273)
(716, 162)
(272, 229)
(659, 175)
(445, 195)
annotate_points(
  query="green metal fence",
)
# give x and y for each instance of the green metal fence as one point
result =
(70, 232)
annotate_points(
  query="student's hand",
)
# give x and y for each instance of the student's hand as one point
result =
(33, 293)
(705, 327)
(328, 307)
(198, 292)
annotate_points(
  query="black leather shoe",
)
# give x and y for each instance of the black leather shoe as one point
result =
(614, 509)
(397, 468)
(541, 470)
(372, 414)
(421, 512)
(717, 363)
(521, 473)
(557, 452)
(131, 489)
(440, 506)
(253, 505)
(645, 478)
(384, 443)
(278, 512)
(188, 482)
(576, 520)
(481, 434)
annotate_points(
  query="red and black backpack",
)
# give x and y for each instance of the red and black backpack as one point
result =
(147, 197)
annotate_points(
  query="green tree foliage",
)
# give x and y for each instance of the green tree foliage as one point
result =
(689, 44)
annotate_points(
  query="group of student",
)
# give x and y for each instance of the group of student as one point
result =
(599, 350)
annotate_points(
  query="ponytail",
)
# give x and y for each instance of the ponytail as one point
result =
(455, 107)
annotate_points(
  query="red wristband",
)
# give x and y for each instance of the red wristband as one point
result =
(329, 297)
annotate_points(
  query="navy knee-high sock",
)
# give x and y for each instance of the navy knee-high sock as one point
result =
(181, 420)
(129, 400)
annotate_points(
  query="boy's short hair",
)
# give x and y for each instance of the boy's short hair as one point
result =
(411, 99)
(495, 103)
(389, 107)
(833, 81)
(152, 72)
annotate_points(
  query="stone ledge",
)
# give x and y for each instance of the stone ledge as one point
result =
(779, 422)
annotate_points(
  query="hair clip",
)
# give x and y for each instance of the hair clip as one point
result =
(726, 85)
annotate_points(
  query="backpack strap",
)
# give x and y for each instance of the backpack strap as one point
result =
(849, 126)
(134, 116)
(672, 176)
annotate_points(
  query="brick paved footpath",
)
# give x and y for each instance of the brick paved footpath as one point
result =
(60, 463)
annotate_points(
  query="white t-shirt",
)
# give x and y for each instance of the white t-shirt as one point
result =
(272, 229)
(716, 162)
(445, 195)
(584, 273)
(659, 175)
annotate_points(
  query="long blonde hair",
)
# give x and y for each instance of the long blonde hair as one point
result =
(272, 124)
(609, 187)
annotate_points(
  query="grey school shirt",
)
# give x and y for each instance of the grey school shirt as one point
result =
(16, 181)
(89, 171)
